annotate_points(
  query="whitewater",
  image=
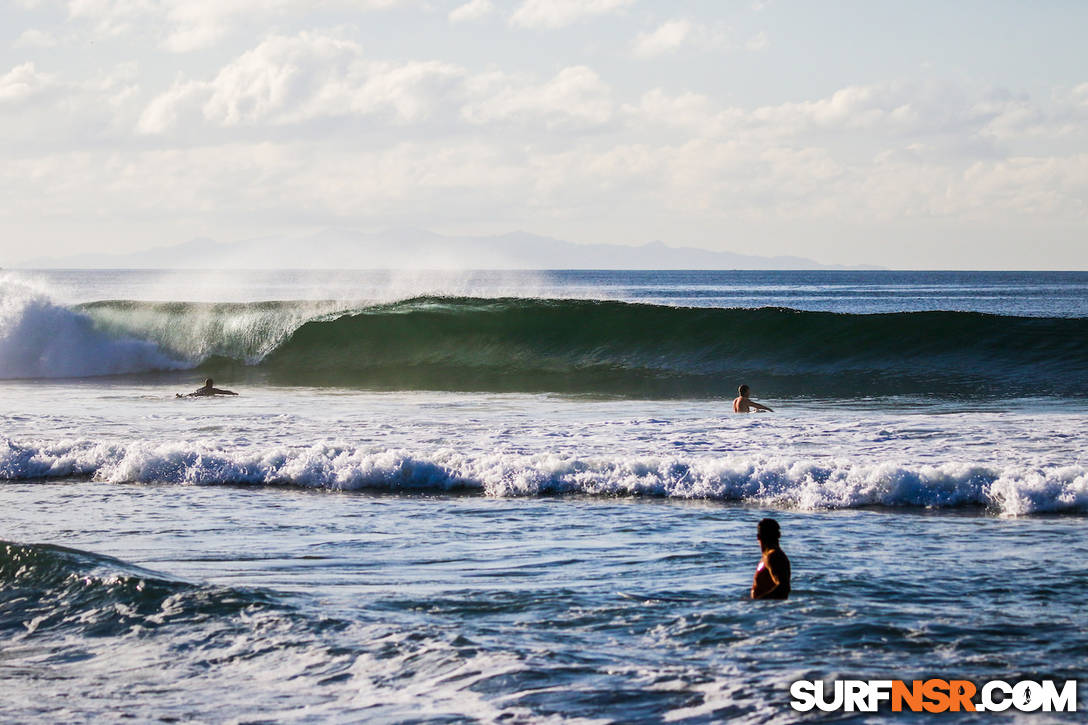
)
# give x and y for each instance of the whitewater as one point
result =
(523, 496)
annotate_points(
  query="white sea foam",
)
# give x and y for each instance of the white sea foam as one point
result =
(773, 481)
(40, 339)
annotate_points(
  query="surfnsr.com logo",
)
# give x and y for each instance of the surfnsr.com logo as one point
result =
(934, 696)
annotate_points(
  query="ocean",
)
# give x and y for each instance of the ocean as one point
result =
(523, 496)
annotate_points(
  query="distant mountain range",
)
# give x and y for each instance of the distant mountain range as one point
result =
(418, 249)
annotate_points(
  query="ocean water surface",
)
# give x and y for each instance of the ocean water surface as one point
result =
(522, 496)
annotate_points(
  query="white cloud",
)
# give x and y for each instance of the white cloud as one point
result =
(575, 94)
(1079, 95)
(757, 42)
(273, 180)
(857, 155)
(286, 80)
(713, 180)
(692, 110)
(872, 154)
(111, 17)
(668, 37)
(560, 13)
(182, 26)
(894, 108)
(23, 82)
(195, 24)
(33, 38)
(53, 110)
(323, 127)
(472, 10)
(680, 33)
(1032, 187)
(407, 91)
(116, 87)
(164, 110)
(283, 76)
(296, 79)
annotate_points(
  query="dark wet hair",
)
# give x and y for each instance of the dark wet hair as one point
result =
(742, 391)
(208, 383)
(768, 531)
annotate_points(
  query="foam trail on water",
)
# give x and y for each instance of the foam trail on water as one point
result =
(781, 481)
(39, 339)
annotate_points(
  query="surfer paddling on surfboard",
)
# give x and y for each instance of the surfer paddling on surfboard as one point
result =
(772, 579)
(743, 405)
(205, 391)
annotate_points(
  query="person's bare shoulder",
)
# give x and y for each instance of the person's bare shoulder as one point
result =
(777, 559)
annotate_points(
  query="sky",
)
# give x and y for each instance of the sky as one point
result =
(910, 135)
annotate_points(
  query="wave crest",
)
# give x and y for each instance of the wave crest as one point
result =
(40, 339)
(806, 484)
(565, 346)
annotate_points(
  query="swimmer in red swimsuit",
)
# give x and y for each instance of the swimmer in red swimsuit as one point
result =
(772, 579)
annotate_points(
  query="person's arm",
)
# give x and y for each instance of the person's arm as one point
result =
(778, 576)
(217, 391)
(759, 406)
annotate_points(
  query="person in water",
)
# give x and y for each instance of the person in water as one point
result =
(743, 405)
(772, 579)
(208, 389)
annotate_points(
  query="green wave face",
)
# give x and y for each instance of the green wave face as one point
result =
(617, 348)
(645, 350)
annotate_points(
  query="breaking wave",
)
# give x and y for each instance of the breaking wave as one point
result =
(40, 339)
(789, 482)
(564, 346)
